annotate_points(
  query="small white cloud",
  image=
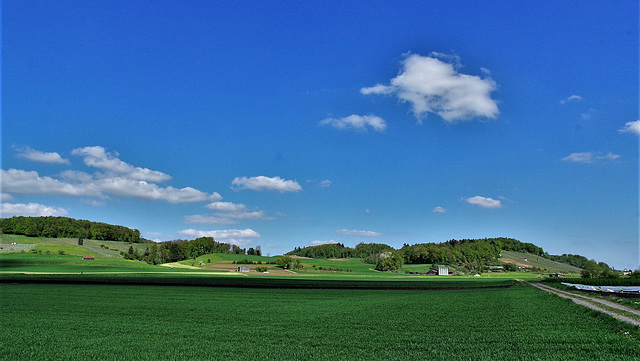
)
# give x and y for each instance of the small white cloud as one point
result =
(357, 122)
(324, 184)
(608, 156)
(590, 157)
(39, 156)
(631, 127)
(226, 206)
(572, 99)
(439, 210)
(262, 183)
(30, 210)
(355, 233)
(6, 197)
(434, 85)
(317, 243)
(484, 202)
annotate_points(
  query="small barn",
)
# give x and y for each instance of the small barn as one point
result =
(88, 257)
(243, 269)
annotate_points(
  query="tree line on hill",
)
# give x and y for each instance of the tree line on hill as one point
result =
(180, 250)
(64, 227)
(470, 254)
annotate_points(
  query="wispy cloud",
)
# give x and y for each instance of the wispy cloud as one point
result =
(30, 210)
(484, 202)
(39, 156)
(432, 84)
(238, 237)
(318, 243)
(356, 233)
(262, 183)
(439, 210)
(572, 99)
(98, 157)
(227, 213)
(631, 127)
(357, 122)
(325, 183)
(590, 157)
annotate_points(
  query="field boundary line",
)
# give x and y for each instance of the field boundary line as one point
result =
(593, 303)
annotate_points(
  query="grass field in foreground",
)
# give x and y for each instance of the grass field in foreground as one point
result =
(108, 322)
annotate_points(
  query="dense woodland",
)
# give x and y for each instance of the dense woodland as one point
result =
(338, 250)
(467, 252)
(178, 250)
(63, 227)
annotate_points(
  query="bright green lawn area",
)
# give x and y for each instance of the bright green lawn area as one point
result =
(109, 322)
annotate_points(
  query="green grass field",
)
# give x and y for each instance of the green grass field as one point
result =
(114, 322)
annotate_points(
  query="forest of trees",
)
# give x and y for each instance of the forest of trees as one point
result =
(179, 250)
(63, 227)
(338, 250)
(468, 252)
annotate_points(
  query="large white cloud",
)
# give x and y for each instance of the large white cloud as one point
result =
(432, 85)
(39, 156)
(262, 183)
(484, 202)
(78, 184)
(631, 127)
(124, 187)
(356, 233)
(357, 122)
(30, 182)
(97, 157)
(30, 210)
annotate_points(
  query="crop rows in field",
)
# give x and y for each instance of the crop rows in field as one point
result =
(109, 322)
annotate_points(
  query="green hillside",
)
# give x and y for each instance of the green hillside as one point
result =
(531, 260)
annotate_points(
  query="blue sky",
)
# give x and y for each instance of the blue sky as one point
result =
(285, 124)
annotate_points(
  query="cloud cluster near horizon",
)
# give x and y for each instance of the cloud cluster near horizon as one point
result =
(116, 178)
(432, 84)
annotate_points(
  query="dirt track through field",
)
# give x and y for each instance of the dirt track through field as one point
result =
(589, 302)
